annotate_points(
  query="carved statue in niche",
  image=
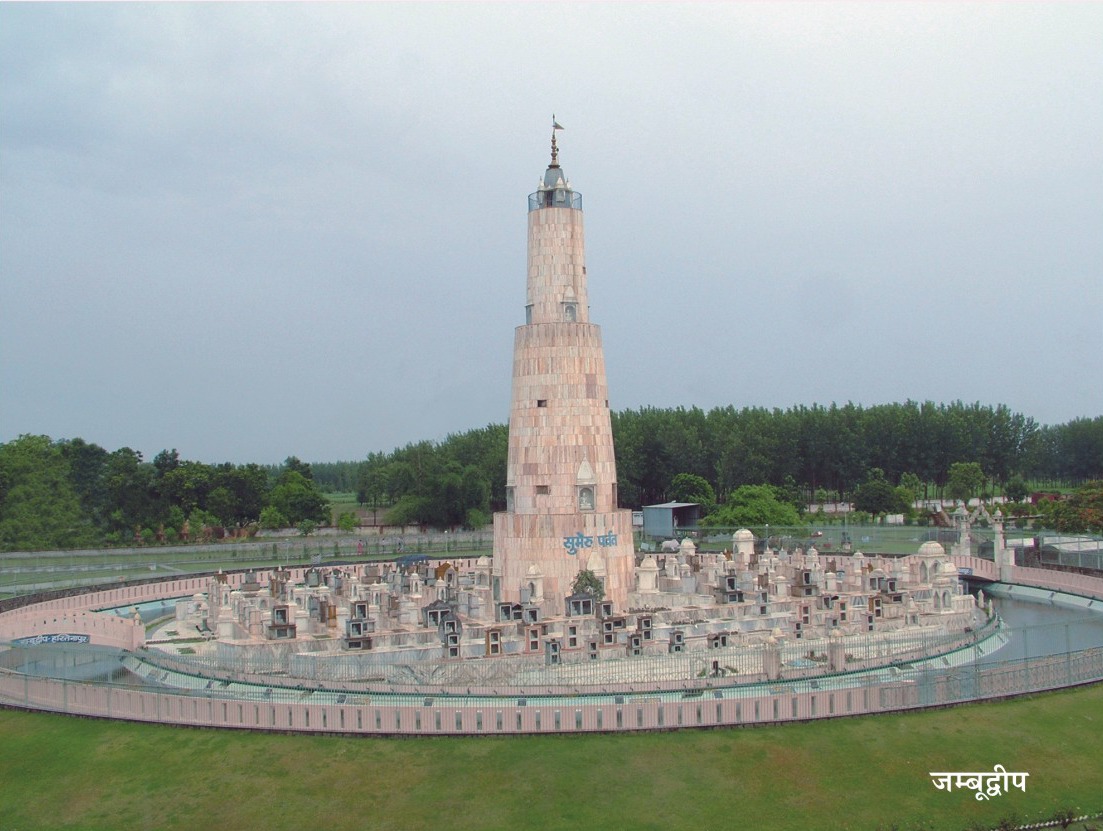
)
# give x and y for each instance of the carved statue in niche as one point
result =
(585, 499)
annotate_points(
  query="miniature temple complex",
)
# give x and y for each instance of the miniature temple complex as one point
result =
(368, 619)
(405, 621)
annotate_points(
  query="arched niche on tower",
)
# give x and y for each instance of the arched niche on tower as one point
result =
(586, 498)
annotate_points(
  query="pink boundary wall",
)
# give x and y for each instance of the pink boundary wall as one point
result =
(1039, 578)
(76, 615)
(639, 712)
(1042, 578)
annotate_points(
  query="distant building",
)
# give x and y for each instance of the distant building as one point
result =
(666, 519)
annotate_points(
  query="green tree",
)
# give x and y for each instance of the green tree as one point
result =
(484, 449)
(222, 503)
(398, 480)
(129, 489)
(370, 480)
(292, 465)
(476, 519)
(174, 519)
(1079, 449)
(1016, 489)
(753, 506)
(789, 491)
(39, 508)
(348, 522)
(87, 463)
(165, 461)
(200, 519)
(689, 487)
(877, 496)
(1087, 502)
(438, 485)
(297, 498)
(913, 485)
(444, 505)
(246, 492)
(588, 583)
(409, 510)
(964, 480)
(1060, 515)
(272, 519)
(186, 485)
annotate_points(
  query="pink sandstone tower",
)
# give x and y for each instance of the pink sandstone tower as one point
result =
(561, 477)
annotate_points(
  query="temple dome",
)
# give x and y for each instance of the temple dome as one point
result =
(554, 178)
(932, 549)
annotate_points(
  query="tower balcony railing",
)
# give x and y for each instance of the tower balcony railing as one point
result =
(558, 198)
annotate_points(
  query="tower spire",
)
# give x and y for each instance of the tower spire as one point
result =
(555, 148)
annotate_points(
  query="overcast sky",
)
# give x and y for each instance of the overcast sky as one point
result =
(250, 231)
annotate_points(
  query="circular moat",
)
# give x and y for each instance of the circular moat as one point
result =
(1025, 640)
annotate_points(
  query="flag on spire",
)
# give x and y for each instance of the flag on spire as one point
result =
(556, 125)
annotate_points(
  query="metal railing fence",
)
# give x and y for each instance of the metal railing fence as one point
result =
(30, 572)
(899, 687)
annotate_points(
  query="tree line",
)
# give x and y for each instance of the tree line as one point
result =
(71, 493)
(833, 448)
(828, 451)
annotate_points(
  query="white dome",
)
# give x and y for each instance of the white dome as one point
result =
(743, 535)
(932, 549)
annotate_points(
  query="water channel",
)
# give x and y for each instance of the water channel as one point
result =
(1043, 625)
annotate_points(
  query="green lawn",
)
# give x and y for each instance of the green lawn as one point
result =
(342, 503)
(858, 773)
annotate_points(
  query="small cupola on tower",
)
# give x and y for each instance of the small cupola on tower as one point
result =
(554, 190)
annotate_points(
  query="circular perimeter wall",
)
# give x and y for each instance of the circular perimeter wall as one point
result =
(66, 654)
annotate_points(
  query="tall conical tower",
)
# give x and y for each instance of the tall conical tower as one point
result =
(561, 479)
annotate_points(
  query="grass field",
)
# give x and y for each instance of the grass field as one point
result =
(870, 773)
